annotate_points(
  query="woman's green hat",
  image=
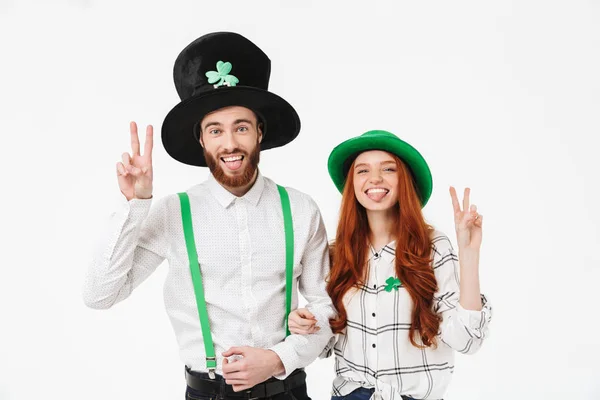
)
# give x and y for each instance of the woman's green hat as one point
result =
(345, 153)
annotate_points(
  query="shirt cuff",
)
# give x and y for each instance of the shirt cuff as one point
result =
(322, 313)
(475, 322)
(288, 358)
(138, 208)
(127, 215)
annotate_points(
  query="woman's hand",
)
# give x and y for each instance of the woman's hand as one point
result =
(302, 322)
(468, 225)
(468, 222)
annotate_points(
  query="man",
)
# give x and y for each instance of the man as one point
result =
(238, 257)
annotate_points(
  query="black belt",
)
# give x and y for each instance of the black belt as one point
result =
(201, 382)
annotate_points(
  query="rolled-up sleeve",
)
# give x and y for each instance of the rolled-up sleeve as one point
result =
(328, 350)
(463, 330)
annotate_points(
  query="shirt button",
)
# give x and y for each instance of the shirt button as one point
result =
(374, 345)
(373, 314)
(374, 286)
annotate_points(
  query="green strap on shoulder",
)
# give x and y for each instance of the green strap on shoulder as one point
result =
(289, 252)
(188, 231)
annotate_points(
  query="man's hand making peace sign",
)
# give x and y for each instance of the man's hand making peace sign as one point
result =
(134, 173)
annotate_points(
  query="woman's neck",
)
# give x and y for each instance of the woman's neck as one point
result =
(381, 227)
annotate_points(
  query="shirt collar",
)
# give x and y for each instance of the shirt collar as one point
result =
(226, 198)
(388, 252)
(256, 191)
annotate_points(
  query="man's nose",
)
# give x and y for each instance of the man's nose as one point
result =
(229, 142)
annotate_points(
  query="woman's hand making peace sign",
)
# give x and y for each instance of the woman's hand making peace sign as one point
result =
(468, 222)
(468, 225)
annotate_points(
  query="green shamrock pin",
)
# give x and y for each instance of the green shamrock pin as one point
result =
(392, 283)
(222, 75)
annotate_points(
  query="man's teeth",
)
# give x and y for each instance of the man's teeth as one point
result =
(377, 190)
(231, 159)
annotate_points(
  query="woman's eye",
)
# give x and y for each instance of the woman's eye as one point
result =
(361, 171)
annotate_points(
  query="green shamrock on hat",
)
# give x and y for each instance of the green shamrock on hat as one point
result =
(392, 283)
(222, 75)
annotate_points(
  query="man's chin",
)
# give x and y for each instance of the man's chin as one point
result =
(232, 174)
(236, 178)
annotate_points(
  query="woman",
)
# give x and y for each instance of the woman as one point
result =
(395, 280)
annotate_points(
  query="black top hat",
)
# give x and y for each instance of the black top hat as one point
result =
(219, 70)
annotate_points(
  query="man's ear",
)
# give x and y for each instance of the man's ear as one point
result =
(260, 132)
(198, 133)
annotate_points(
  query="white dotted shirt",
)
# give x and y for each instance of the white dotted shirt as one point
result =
(241, 250)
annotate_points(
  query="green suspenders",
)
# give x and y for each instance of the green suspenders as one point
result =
(289, 252)
(186, 216)
(188, 232)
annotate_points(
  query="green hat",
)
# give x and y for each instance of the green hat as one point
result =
(345, 153)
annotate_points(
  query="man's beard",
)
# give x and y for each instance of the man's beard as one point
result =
(234, 181)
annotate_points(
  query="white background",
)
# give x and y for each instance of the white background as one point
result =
(501, 96)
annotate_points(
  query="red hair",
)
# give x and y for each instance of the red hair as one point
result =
(412, 263)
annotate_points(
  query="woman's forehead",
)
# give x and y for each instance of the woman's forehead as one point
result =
(374, 157)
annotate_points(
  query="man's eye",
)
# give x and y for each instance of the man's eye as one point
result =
(243, 129)
(214, 131)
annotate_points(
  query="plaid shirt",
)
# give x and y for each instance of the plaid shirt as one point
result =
(374, 351)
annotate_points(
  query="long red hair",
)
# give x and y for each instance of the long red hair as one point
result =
(413, 256)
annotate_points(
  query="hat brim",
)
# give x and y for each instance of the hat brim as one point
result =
(281, 122)
(344, 154)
